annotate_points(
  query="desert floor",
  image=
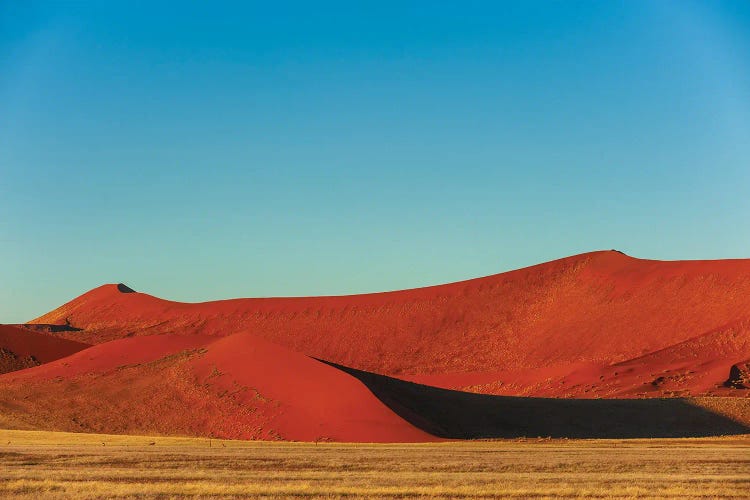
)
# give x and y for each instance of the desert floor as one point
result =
(55, 464)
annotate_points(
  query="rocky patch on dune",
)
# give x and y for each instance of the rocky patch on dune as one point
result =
(739, 375)
(10, 361)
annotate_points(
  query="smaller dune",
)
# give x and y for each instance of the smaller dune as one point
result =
(238, 386)
(21, 348)
(308, 400)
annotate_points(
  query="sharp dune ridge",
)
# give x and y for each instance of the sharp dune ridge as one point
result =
(593, 345)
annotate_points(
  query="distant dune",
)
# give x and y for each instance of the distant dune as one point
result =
(20, 348)
(588, 328)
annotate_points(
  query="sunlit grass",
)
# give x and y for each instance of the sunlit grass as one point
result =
(44, 464)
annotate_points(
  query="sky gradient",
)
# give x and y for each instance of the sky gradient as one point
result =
(293, 148)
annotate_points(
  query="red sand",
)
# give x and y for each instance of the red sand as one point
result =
(43, 348)
(599, 309)
(596, 325)
(114, 355)
(312, 400)
(234, 387)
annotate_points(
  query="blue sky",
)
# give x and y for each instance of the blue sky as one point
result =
(301, 148)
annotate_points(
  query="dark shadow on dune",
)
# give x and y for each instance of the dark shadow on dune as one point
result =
(42, 327)
(124, 288)
(462, 415)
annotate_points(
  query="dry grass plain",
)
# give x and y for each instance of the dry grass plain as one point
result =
(36, 464)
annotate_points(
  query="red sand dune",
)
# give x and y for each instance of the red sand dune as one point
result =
(239, 386)
(698, 366)
(20, 348)
(529, 331)
(591, 330)
(311, 400)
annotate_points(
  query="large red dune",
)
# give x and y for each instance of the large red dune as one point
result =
(596, 309)
(593, 328)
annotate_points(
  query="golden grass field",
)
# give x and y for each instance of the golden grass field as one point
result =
(38, 464)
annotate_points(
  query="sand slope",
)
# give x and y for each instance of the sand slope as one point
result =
(598, 344)
(553, 329)
(20, 348)
(698, 366)
(239, 386)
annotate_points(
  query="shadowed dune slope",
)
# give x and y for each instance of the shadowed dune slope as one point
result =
(462, 415)
(239, 386)
(553, 328)
(20, 348)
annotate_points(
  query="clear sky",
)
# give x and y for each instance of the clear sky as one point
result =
(207, 150)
